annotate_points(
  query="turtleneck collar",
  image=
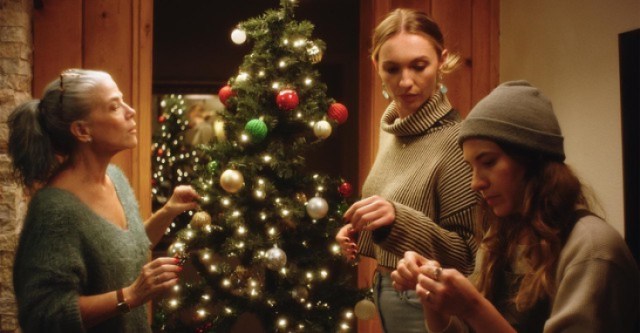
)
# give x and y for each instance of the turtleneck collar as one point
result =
(420, 121)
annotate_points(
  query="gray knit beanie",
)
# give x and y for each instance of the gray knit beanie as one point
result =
(516, 113)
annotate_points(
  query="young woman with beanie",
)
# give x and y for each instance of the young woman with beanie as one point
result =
(415, 196)
(82, 259)
(546, 262)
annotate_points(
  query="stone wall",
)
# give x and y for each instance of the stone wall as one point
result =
(15, 87)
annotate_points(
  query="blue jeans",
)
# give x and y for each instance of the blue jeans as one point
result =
(400, 312)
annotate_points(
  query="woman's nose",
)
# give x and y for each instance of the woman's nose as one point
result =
(477, 182)
(406, 80)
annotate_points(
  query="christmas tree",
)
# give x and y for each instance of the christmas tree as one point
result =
(263, 242)
(171, 157)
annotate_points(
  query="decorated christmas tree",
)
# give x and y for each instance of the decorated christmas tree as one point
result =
(171, 157)
(263, 242)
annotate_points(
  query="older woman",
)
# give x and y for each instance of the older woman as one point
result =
(82, 260)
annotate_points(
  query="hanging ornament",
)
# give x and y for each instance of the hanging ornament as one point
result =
(200, 220)
(317, 208)
(300, 293)
(365, 309)
(231, 180)
(322, 129)
(161, 199)
(162, 119)
(287, 99)
(314, 52)
(345, 189)
(338, 112)
(160, 152)
(275, 258)
(238, 36)
(225, 93)
(177, 250)
(257, 129)
(301, 197)
(212, 166)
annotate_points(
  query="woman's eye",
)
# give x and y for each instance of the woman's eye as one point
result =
(419, 68)
(489, 162)
(391, 70)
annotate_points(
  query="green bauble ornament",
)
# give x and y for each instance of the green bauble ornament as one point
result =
(257, 129)
(212, 166)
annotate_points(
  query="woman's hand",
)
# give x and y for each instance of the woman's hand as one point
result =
(447, 291)
(345, 238)
(405, 277)
(370, 214)
(157, 277)
(184, 198)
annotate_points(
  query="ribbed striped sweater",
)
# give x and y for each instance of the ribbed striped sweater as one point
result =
(419, 168)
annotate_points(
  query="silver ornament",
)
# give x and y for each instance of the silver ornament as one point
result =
(275, 258)
(317, 208)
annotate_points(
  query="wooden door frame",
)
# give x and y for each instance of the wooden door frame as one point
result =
(111, 35)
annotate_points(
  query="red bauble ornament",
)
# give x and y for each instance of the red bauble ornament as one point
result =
(160, 152)
(338, 112)
(345, 189)
(225, 93)
(287, 99)
(162, 119)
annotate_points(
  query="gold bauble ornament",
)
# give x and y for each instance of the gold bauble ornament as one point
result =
(314, 52)
(200, 220)
(365, 309)
(301, 197)
(231, 180)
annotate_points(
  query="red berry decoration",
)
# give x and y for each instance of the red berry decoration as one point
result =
(225, 93)
(338, 112)
(345, 189)
(162, 119)
(287, 99)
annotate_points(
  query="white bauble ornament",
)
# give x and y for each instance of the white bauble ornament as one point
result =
(231, 180)
(365, 309)
(238, 36)
(275, 258)
(317, 208)
(322, 129)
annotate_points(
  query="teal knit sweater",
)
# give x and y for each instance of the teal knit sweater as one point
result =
(67, 251)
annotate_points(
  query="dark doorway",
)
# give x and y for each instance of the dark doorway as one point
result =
(629, 48)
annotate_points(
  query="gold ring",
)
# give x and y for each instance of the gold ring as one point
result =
(427, 295)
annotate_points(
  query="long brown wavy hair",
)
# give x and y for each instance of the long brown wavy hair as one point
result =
(547, 216)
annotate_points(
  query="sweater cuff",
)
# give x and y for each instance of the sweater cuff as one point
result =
(380, 234)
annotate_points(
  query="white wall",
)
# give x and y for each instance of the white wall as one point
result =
(569, 49)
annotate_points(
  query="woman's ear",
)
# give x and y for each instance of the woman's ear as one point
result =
(443, 58)
(80, 129)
